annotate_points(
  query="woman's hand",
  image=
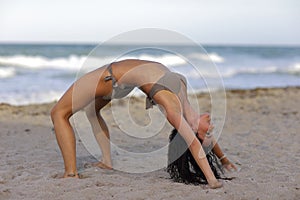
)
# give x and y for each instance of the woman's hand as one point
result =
(215, 184)
(228, 165)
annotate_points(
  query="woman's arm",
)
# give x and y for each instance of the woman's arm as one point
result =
(197, 152)
(172, 109)
(219, 153)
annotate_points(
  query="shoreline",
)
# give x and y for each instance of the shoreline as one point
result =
(260, 135)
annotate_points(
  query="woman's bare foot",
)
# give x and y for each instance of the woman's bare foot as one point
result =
(70, 175)
(102, 165)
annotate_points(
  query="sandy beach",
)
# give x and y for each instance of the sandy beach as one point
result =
(261, 136)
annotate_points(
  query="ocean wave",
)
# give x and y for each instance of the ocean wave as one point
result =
(214, 57)
(75, 62)
(37, 62)
(84, 63)
(7, 72)
(294, 69)
(229, 72)
(174, 60)
(17, 98)
(168, 60)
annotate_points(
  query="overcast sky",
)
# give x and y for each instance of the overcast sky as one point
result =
(207, 22)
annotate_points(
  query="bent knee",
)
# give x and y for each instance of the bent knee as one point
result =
(57, 113)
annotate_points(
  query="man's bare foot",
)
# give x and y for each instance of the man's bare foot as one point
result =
(215, 184)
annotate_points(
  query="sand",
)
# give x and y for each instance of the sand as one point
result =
(261, 136)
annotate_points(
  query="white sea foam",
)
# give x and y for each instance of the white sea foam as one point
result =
(35, 62)
(7, 72)
(294, 69)
(214, 57)
(228, 72)
(168, 60)
(16, 98)
(74, 62)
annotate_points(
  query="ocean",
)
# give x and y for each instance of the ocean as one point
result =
(40, 73)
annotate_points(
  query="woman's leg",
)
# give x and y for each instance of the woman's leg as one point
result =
(81, 93)
(65, 137)
(174, 113)
(100, 131)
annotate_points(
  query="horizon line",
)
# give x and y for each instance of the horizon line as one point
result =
(137, 44)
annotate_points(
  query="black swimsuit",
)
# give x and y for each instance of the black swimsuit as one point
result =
(170, 81)
(118, 91)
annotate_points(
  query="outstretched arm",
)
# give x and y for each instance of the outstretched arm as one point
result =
(172, 108)
(198, 153)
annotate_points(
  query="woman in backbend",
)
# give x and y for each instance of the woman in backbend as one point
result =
(95, 89)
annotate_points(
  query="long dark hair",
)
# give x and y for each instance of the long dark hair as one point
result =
(182, 166)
